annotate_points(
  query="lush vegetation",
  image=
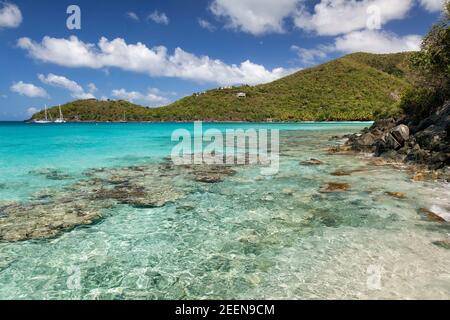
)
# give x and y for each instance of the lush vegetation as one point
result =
(431, 74)
(95, 110)
(359, 86)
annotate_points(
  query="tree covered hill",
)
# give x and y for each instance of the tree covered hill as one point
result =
(359, 86)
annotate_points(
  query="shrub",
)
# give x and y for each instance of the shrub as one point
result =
(432, 71)
(419, 103)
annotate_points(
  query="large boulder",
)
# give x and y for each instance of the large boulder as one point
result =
(391, 142)
(439, 160)
(425, 142)
(418, 155)
(432, 138)
(400, 133)
(365, 142)
(394, 139)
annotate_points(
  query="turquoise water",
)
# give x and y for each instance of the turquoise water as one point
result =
(250, 236)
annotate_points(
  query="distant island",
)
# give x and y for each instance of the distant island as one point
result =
(359, 86)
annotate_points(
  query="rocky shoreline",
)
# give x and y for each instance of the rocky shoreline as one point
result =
(424, 145)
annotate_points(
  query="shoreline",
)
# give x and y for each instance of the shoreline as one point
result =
(419, 172)
(205, 121)
(424, 143)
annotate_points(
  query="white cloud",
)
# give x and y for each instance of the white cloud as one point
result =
(432, 5)
(76, 90)
(60, 82)
(310, 56)
(10, 15)
(139, 58)
(206, 25)
(335, 17)
(3, 96)
(160, 18)
(150, 96)
(32, 110)
(350, 20)
(371, 41)
(29, 90)
(374, 41)
(83, 96)
(255, 16)
(92, 88)
(133, 16)
(328, 17)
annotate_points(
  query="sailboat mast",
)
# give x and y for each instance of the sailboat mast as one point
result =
(46, 117)
(60, 113)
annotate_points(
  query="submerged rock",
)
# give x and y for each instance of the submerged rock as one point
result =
(418, 176)
(340, 150)
(3, 208)
(139, 197)
(441, 212)
(210, 174)
(344, 173)
(185, 207)
(334, 187)
(443, 244)
(324, 217)
(51, 174)
(378, 162)
(436, 214)
(41, 221)
(312, 162)
(398, 195)
(52, 212)
(208, 178)
(287, 192)
(422, 175)
(341, 173)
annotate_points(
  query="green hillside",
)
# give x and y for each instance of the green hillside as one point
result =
(359, 86)
(96, 110)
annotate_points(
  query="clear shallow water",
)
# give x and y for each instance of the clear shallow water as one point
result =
(247, 237)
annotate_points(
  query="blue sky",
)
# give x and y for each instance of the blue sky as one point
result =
(154, 52)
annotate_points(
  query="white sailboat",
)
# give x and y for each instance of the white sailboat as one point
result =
(45, 121)
(124, 120)
(61, 118)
